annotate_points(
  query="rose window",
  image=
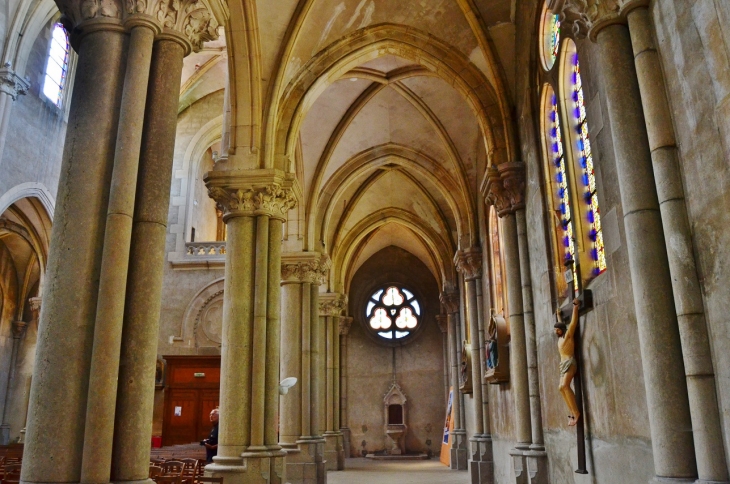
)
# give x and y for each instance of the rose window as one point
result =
(393, 313)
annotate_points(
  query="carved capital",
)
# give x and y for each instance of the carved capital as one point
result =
(469, 262)
(495, 193)
(18, 328)
(305, 267)
(249, 193)
(443, 322)
(35, 306)
(192, 20)
(587, 17)
(12, 84)
(332, 304)
(450, 301)
(514, 183)
(345, 322)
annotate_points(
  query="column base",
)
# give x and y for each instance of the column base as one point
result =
(459, 456)
(334, 454)
(306, 464)
(682, 480)
(704, 481)
(519, 466)
(267, 467)
(346, 442)
(481, 461)
(537, 466)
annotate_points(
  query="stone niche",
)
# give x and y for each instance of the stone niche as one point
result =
(496, 361)
(395, 419)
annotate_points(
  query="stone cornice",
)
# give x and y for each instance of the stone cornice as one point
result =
(588, 17)
(249, 193)
(301, 267)
(192, 20)
(469, 262)
(12, 84)
(332, 304)
(450, 301)
(345, 322)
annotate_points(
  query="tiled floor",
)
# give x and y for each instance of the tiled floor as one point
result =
(365, 471)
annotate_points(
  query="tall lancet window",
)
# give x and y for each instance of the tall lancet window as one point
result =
(588, 178)
(57, 66)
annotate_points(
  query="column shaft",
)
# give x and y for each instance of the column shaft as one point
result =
(273, 335)
(661, 353)
(343, 382)
(60, 383)
(138, 357)
(330, 393)
(704, 411)
(533, 377)
(518, 353)
(100, 408)
(237, 338)
(456, 401)
(307, 360)
(336, 378)
(291, 363)
(483, 385)
(317, 398)
(476, 374)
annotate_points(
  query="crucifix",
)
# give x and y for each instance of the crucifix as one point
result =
(570, 359)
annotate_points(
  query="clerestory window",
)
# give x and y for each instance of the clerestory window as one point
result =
(57, 66)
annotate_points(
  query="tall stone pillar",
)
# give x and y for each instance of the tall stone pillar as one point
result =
(331, 307)
(469, 263)
(707, 433)
(659, 335)
(345, 322)
(18, 330)
(59, 387)
(506, 203)
(443, 322)
(301, 275)
(459, 446)
(11, 86)
(142, 304)
(255, 204)
(102, 397)
(486, 448)
(35, 307)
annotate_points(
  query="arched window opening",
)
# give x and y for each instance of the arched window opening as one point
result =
(585, 159)
(549, 38)
(57, 66)
(393, 312)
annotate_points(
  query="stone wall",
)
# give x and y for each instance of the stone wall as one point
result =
(418, 364)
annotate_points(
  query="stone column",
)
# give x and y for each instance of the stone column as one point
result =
(331, 307)
(345, 323)
(142, 305)
(35, 307)
(486, 451)
(499, 195)
(469, 263)
(318, 387)
(300, 273)
(255, 204)
(707, 433)
(11, 86)
(459, 451)
(18, 330)
(443, 322)
(59, 387)
(102, 397)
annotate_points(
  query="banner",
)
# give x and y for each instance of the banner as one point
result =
(446, 442)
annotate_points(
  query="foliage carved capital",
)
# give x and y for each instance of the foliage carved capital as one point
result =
(332, 304)
(495, 193)
(450, 301)
(587, 17)
(12, 84)
(345, 323)
(309, 269)
(272, 200)
(514, 182)
(469, 262)
(443, 322)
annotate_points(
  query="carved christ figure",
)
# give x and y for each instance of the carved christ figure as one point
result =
(568, 365)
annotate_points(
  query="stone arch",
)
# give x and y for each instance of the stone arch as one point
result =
(367, 44)
(202, 321)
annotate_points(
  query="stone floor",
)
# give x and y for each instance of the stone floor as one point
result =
(365, 471)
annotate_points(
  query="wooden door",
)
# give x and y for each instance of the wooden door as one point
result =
(191, 392)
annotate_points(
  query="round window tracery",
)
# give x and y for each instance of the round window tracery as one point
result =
(393, 312)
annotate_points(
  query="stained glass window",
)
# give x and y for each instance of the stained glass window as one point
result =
(57, 66)
(585, 158)
(557, 154)
(550, 38)
(393, 313)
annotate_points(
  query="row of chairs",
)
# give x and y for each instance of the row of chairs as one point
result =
(183, 471)
(9, 471)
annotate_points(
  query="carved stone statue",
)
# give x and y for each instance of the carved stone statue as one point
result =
(492, 346)
(568, 364)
